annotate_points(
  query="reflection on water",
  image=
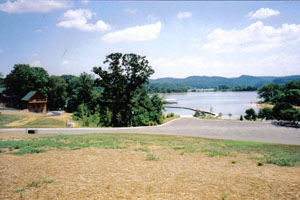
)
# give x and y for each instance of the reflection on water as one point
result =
(234, 103)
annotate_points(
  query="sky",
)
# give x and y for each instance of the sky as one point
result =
(179, 38)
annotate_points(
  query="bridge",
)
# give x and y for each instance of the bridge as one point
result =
(193, 109)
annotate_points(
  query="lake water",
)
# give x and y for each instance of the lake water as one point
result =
(234, 103)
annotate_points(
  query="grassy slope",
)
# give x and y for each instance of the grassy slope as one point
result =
(38, 122)
(45, 123)
(283, 155)
(6, 119)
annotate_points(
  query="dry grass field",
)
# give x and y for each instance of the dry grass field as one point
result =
(139, 167)
(24, 119)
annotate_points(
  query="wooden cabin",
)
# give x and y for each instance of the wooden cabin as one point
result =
(36, 102)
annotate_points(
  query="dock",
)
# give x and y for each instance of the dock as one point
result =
(193, 109)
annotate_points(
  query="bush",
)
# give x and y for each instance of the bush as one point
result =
(250, 114)
(265, 113)
(285, 111)
(170, 115)
(260, 163)
(198, 113)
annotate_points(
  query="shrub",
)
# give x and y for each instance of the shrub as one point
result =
(198, 113)
(170, 115)
(285, 111)
(260, 163)
(265, 113)
(241, 118)
(250, 114)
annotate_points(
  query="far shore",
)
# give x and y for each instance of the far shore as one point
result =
(197, 92)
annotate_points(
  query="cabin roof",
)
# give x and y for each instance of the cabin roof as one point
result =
(2, 90)
(28, 95)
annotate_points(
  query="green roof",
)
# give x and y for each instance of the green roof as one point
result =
(2, 89)
(28, 95)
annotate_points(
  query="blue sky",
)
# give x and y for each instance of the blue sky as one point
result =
(180, 39)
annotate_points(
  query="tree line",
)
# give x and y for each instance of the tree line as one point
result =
(238, 88)
(116, 97)
(284, 97)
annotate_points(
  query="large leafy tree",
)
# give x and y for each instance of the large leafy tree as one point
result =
(123, 95)
(265, 113)
(56, 93)
(250, 114)
(269, 92)
(23, 79)
(285, 111)
(80, 91)
(1, 80)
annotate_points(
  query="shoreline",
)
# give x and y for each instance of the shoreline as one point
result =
(196, 92)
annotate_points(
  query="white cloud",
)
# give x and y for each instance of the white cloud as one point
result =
(134, 34)
(281, 64)
(77, 19)
(281, 60)
(41, 30)
(35, 63)
(255, 38)
(37, 6)
(65, 62)
(190, 66)
(130, 11)
(84, 2)
(263, 13)
(184, 15)
(152, 18)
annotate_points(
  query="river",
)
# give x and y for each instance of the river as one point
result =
(227, 103)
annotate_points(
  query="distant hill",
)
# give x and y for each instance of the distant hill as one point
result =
(214, 81)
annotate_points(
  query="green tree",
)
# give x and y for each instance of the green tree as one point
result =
(1, 80)
(289, 115)
(123, 80)
(269, 92)
(250, 114)
(285, 111)
(56, 93)
(292, 96)
(80, 91)
(23, 79)
(265, 113)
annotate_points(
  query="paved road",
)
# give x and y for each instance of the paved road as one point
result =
(187, 126)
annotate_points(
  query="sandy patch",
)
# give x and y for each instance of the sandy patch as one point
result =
(30, 116)
(93, 173)
(21, 122)
(22, 112)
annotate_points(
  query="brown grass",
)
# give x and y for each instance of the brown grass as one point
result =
(30, 116)
(93, 173)
(170, 119)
